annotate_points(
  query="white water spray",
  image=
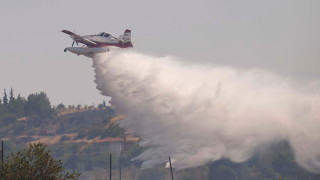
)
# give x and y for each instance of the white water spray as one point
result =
(199, 114)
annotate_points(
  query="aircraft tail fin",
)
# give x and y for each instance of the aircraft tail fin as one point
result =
(126, 37)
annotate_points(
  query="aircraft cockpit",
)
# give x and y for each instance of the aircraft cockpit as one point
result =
(103, 34)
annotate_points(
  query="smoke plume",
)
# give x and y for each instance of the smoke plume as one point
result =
(199, 114)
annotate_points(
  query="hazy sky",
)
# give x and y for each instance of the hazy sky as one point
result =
(278, 35)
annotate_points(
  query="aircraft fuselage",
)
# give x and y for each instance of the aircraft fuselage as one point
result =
(103, 42)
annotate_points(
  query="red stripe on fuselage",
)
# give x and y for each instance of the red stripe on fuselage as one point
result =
(100, 44)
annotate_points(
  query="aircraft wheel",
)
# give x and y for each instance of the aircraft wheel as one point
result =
(65, 50)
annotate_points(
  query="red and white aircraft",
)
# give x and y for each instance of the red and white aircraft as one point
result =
(98, 43)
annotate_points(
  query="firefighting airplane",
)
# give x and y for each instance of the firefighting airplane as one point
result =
(98, 43)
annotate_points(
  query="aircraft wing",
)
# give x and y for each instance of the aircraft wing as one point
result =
(76, 37)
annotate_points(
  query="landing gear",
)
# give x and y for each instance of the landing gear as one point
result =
(65, 50)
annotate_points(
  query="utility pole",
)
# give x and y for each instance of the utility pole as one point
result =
(171, 168)
(120, 172)
(120, 159)
(110, 166)
(2, 152)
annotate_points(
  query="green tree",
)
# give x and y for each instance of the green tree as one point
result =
(1, 109)
(11, 95)
(60, 107)
(113, 131)
(100, 106)
(12, 104)
(34, 163)
(5, 98)
(79, 107)
(19, 105)
(38, 104)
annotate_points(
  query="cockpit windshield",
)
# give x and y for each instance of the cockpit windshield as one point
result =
(103, 34)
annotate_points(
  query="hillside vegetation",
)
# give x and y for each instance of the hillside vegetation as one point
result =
(84, 136)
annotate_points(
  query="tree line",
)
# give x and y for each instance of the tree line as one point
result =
(12, 107)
